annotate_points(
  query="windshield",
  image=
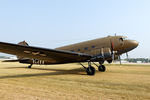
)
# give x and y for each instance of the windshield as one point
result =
(123, 38)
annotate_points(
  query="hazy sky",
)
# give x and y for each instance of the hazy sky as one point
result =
(53, 23)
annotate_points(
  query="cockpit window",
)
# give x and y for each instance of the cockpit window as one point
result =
(121, 39)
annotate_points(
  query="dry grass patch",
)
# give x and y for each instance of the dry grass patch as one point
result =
(70, 82)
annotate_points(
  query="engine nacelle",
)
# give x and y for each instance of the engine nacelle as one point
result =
(106, 52)
(111, 59)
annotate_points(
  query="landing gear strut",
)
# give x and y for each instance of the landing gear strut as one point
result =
(90, 70)
(30, 66)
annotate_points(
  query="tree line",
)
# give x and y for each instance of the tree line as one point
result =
(135, 60)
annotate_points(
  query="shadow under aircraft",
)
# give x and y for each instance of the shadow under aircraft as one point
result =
(54, 72)
(99, 50)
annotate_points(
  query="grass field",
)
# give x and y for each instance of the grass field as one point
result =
(70, 82)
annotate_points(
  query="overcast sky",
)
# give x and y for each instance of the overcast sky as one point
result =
(54, 23)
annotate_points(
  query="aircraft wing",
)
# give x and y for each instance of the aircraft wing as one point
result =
(51, 55)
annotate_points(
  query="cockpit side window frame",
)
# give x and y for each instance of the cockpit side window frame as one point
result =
(121, 39)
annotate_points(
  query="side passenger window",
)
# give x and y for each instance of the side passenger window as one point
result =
(86, 48)
(93, 46)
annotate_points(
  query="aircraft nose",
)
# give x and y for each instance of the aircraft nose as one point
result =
(130, 45)
(134, 43)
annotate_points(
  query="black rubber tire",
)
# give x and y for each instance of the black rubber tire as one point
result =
(90, 70)
(102, 68)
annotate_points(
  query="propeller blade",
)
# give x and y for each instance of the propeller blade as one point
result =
(120, 59)
(113, 56)
(127, 56)
(112, 51)
(112, 47)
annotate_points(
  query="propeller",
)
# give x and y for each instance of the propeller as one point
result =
(127, 56)
(112, 51)
(120, 59)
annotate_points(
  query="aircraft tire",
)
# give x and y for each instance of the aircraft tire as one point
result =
(102, 68)
(90, 70)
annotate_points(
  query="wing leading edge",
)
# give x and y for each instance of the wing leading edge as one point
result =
(51, 55)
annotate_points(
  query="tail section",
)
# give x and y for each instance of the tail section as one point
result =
(20, 58)
(24, 43)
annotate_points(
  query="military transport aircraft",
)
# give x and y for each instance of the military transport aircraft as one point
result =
(99, 50)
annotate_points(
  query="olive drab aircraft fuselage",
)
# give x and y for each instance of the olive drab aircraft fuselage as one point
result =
(99, 50)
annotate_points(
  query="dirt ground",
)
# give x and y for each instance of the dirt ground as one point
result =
(70, 82)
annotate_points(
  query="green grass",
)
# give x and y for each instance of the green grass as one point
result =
(70, 82)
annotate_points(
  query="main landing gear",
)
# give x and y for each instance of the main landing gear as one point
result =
(101, 67)
(90, 70)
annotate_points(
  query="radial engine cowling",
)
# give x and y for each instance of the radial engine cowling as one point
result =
(106, 53)
(114, 57)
